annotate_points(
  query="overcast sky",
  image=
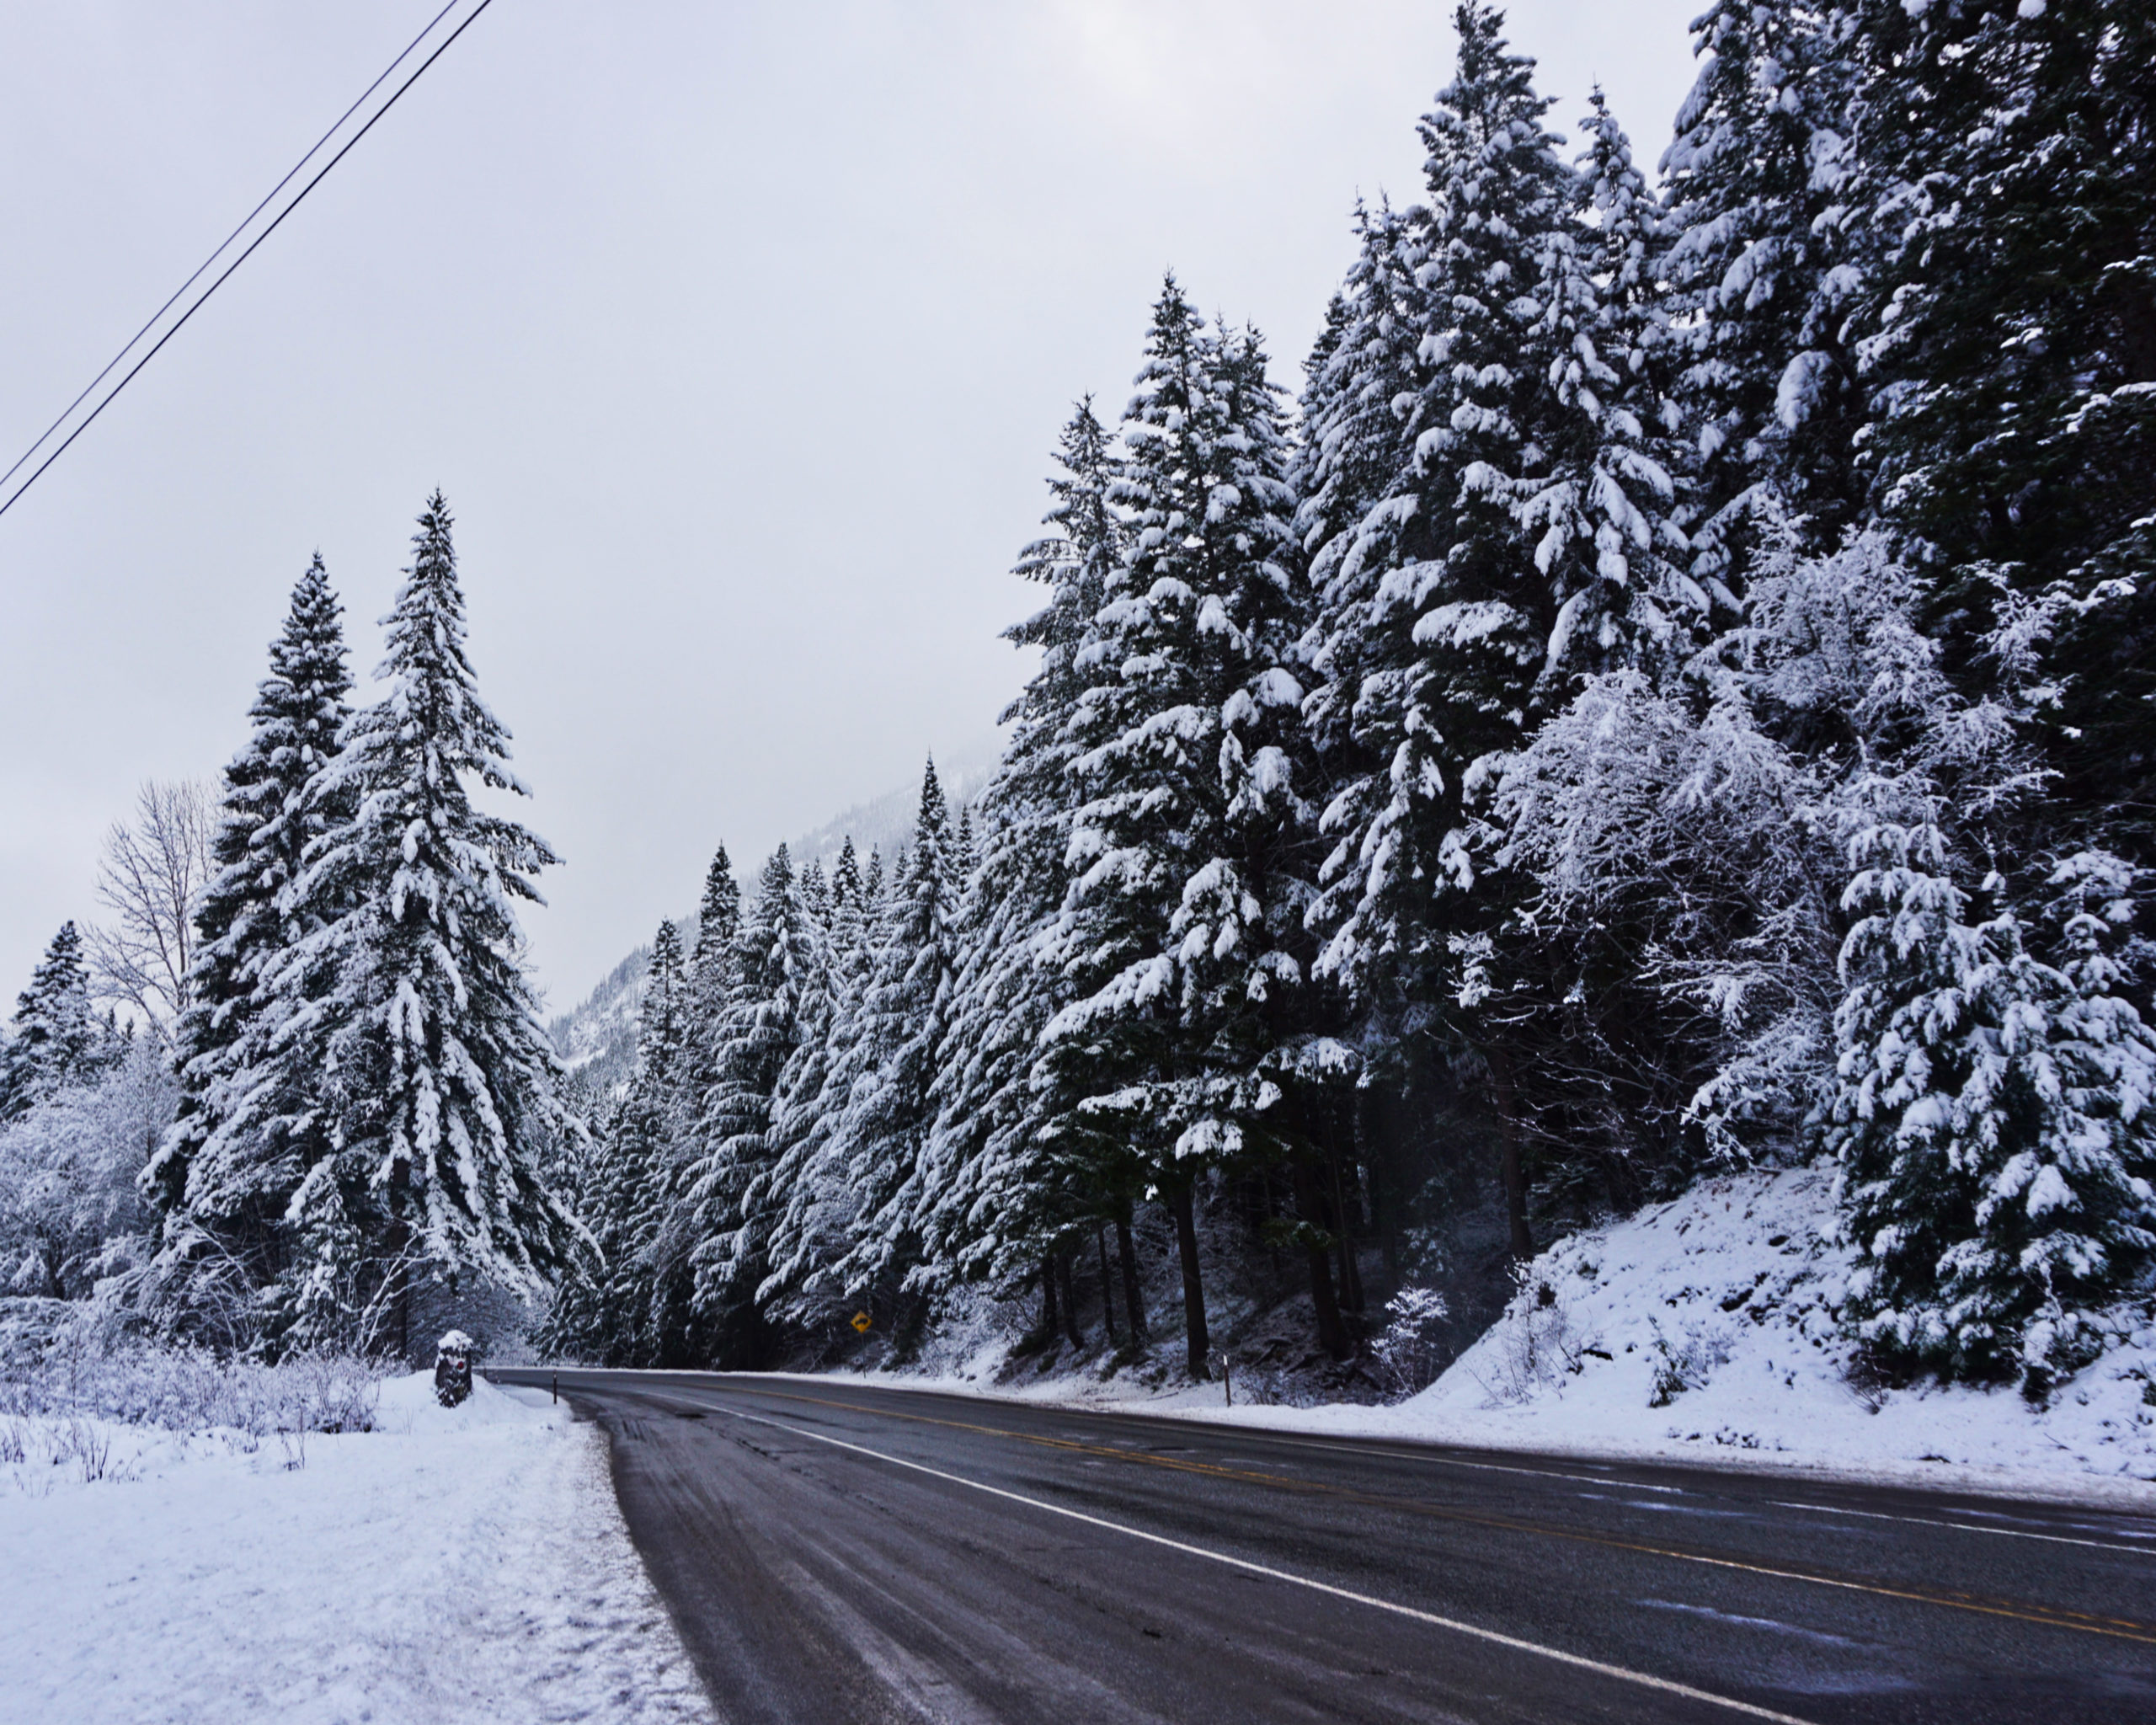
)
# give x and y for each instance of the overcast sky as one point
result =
(738, 334)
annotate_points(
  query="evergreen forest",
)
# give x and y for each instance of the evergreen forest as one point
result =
(1667, 685)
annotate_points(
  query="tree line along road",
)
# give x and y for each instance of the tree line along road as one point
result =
(836, 1552)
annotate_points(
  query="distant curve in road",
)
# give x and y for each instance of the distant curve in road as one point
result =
(835, 1552)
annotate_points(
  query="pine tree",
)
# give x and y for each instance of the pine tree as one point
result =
(1602, 511)
(1186, 905)
(57, 1040)
(1766, 267)
(991, 1196)
(673, 1331)
(2011, 351)
(880, 1138)
(1433, 651)
(758, 1028)
(247, 1121)
(1365, 387)
(441, 1083)
(718, 914)
(602, 1310)
(1991, 1116)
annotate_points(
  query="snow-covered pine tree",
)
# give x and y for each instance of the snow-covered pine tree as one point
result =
(1602, 508)
(1992, 1118)
(1433, 651)
(1766, 266)
(990, 1195)
(56, 1041)
(441, 1086)
(1564, 1011)
(602, 1310)
(248, 1090)
(1364, 386)
(2010, 349)
(1184, 914)
(671, 1330)
(892, 1063)
(758, 1028)
(814, 1215)
(1432, 639)
(719, 912)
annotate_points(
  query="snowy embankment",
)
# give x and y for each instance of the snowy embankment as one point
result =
(465, 1564)
(1702, 1330)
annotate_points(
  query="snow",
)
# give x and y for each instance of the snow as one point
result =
(464, 1564)
(1701, 1332)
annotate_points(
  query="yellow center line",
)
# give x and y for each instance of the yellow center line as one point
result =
(2053, 1617)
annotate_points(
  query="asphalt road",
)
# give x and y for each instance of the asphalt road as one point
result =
(835, 1553)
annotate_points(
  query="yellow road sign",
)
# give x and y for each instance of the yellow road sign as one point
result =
(860, 1322)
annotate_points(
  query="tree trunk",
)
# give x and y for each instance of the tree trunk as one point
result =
(1050, 1321)
(1134, 1297)
(1332, 1333)
(1107, 1287)
(1351, 1273)
(1509, 1162)
(1197, 1338)
(1071, 1327)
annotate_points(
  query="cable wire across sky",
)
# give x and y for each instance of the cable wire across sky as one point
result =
(299, 197)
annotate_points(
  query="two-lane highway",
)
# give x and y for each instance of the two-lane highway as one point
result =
(835, 1552)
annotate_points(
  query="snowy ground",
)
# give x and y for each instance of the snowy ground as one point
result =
(450, 1566)
(1700, 1331)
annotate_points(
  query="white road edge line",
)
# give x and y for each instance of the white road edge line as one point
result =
(1578, 1661)
(2011, 1533)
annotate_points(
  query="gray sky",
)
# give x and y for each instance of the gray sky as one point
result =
(738, 334)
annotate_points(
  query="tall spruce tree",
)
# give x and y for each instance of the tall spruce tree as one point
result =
(892, 1064)
(441, 1086)
(1603, 508)
(1766, 267)
(1433, 649)
(2010, 351)
(758, 1028)
(1991, 1116)
(248, 1122)
(673, 1326)
(57, 1040)
(603, 1308)
(815, 1210)
(991, 1196)
(1185, 909)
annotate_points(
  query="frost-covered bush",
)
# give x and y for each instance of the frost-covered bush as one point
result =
(70, 1212)
(1688, 1363)
(85, 1373)
(1411, 1349)
(1539, 1344)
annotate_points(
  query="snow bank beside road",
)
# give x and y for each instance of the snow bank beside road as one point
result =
(465, 1564)
(1702, 1331)
(1705, 1327)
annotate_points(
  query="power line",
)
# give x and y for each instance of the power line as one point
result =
(225, 244)
(178, 324)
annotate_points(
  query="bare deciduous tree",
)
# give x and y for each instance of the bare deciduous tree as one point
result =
(151, 878)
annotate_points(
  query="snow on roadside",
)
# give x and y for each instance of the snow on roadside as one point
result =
(454, 1565)
(1705, 1325)
(1701, 1330)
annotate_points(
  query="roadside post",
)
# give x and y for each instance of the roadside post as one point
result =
(453, 1369)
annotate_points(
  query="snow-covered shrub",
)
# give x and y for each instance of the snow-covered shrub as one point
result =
(89, 1374)
(1538, 1344)
(70, 1212)
(1686, 1364)
(1410, 1350)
